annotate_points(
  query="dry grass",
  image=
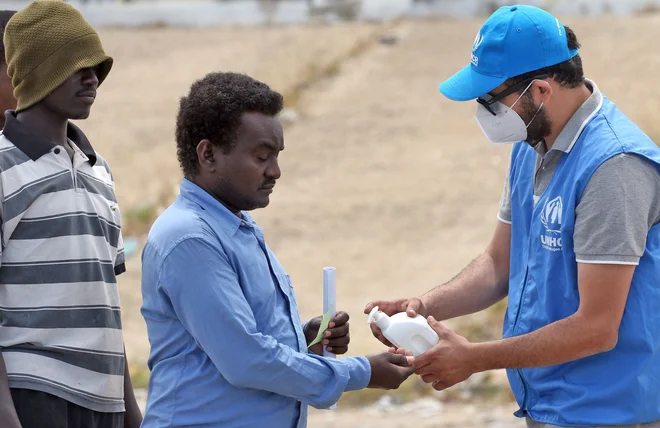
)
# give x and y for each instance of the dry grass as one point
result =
(320, 69)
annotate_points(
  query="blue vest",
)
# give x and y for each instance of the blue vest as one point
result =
(621, 386)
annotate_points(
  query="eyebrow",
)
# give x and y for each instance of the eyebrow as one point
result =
(270, 145)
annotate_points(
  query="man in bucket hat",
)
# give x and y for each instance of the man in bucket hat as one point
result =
(7, 100)
(61, 251)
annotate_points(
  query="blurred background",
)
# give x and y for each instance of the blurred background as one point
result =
(383, 177)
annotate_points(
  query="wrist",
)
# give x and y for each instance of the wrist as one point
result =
(359, 373)
(478, 357)
(426, 305)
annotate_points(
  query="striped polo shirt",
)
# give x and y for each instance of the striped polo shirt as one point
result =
(60, 324)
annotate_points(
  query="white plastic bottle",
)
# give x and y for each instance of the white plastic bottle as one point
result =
(411, 334)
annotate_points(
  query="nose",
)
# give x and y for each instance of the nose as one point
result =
(90, 76)
(273, 170)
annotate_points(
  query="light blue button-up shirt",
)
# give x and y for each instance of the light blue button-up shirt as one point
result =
(227, 344)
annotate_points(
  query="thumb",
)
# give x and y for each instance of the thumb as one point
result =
(438, 327)
(413, 307)
(407, 371)
(401, 360)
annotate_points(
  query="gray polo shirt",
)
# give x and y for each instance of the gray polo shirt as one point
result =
(60, 252)
(619, 204)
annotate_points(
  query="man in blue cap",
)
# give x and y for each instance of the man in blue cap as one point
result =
(577, 247)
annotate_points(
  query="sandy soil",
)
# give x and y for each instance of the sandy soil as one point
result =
(382, 177)
(420, 416)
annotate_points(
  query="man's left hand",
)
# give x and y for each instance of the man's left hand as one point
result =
(336, 337)
(447, 363)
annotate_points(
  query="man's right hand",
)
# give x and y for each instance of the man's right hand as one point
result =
(388, 371)
(413, 307)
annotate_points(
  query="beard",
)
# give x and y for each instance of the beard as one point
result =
(539, 124)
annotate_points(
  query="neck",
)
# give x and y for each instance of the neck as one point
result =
(199, 181)
(568, 101)
(45, 124)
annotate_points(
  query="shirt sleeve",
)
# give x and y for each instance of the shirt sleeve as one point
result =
(120, 258)
(619, 205)
(206, 295)
(504, 214)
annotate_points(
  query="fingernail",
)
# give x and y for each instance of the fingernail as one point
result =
(331, 325)
(329, 348)
(325, 342)
(411, 360)
(327, 334)
(431, 318)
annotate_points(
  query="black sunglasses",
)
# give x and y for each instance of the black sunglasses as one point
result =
(508, 91)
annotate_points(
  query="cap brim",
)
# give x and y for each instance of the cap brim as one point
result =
(468, 85)
(104, 69)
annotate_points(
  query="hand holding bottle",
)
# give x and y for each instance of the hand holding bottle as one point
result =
(412, 306)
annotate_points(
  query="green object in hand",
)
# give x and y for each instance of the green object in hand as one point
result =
(324, 326)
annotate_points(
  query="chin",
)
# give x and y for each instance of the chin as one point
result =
(256, 204)
(265, 202)
(80, 114)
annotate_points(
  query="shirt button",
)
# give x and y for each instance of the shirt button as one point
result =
(57, 151)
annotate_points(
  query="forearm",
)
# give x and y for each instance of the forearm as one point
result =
(133, 415)
(566, 340)
(7, 411)
(480, 285)
(276, 368)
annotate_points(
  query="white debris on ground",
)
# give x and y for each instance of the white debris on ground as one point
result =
(391, 411)
(423, 413)
(423, 408)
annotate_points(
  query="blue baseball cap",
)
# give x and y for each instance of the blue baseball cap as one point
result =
(513, 41)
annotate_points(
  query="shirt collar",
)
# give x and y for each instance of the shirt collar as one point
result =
(35, 146)
(227, 219)
(571, 132)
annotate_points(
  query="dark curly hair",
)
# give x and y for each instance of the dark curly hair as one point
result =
(568, 74)
(213, 109)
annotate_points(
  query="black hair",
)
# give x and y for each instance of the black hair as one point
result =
(213, 110)
(568, 74)
(5, 16)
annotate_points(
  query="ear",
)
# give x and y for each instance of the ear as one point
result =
(206, 155)
(544, 89)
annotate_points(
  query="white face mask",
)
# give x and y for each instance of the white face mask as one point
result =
(506, 126)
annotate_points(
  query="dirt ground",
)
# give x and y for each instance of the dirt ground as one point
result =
(383, 178)
(420, 416)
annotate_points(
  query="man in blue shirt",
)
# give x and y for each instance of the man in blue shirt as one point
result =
(577, 246)
(227, 345)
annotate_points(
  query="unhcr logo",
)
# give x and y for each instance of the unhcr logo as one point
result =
(551, 218)
(477, 42)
